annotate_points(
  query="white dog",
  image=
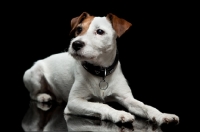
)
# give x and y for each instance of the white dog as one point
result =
(90, 73)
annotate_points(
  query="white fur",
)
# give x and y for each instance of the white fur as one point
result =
(65, 77)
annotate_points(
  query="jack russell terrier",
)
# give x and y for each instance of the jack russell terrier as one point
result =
(90, 73)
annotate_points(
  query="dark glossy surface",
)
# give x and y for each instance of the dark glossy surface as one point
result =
(50, 117)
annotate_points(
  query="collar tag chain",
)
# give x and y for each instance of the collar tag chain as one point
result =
(103, 85)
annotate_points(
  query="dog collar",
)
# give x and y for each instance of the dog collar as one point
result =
(99, 70)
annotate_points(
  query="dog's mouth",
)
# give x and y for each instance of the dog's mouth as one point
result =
(82, 57)
(78, 56)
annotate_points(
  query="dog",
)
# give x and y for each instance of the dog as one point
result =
(89, 74)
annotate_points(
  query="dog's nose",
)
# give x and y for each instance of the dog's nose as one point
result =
(77, 45)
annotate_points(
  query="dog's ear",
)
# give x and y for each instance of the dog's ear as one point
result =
(77, 20)
(120, 25)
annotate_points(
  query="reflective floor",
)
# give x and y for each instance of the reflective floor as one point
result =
(50, 117)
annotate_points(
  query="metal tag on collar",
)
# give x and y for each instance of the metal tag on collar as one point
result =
(103, 85)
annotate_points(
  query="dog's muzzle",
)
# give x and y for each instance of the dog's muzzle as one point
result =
(77, 45)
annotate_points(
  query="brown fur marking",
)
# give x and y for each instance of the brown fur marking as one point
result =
(120, 25)
(85, 24)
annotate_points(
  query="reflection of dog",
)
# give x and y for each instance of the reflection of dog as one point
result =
(44, 117)
(78, 123)
(90, 72)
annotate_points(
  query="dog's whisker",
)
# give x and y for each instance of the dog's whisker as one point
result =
(65, 50)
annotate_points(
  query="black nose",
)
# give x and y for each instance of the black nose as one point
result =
(77, 45)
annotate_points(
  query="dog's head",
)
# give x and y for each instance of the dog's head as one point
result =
(94, 36)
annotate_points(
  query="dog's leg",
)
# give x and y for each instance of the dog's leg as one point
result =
(103, 111)
(138, 108)
(78, 105)
(35, 82)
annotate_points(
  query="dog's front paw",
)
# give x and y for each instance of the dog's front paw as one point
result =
(43, 106)
(43, 97)
(166, 119)
(122, 116)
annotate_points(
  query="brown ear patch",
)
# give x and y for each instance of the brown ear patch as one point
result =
(120, 25)
(85, 25)
(83, 20)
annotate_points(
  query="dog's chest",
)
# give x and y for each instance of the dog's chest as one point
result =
(100, 90)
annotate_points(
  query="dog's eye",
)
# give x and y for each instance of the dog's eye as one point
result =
(100, 32)
(78, 30)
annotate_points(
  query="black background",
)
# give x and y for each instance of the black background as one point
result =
(153, 52)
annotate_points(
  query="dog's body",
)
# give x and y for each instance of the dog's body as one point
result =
(65, 76)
